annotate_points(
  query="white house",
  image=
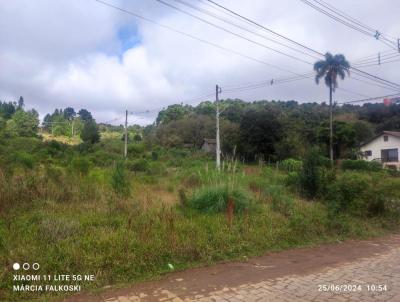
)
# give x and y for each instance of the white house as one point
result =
(383, 148)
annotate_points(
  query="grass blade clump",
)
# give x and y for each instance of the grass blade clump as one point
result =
(214, 199)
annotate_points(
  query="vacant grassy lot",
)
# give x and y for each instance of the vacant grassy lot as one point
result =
(163, 210)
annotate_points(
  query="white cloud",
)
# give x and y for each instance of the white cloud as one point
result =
(67, 53)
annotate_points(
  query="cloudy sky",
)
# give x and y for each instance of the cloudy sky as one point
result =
(80, 53)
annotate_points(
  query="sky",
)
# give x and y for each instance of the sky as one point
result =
(83, 54)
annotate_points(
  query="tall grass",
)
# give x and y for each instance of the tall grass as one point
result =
(72, 222)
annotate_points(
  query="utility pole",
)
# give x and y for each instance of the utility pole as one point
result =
(126, 134)
(72, 128)
(218, 142)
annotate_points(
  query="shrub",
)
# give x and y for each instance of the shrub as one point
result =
(360, 165)
(136, 149)
(90, 133)
(215, 199)
(291, 165)
(119, 180)
(292, 179)
(309, 177)
(139, 165)
(24, 159)
(154, 155)
(80, 165)
(344, 193)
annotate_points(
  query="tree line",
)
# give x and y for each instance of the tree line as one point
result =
(274, 130)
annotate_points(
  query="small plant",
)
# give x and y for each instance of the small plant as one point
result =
(215, 199)
(291, 165)
(119, 180)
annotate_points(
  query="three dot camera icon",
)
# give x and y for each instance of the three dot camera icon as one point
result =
(26, 266)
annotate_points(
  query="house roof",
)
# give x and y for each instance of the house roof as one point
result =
(393, 133)
(210, 140)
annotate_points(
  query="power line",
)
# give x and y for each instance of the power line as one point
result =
(299, 76)
(349, 21)
(194, 37)
(371, 99)
(357, 71)
(232, 33)
(264, 28)
(208, 13)
(199, 39)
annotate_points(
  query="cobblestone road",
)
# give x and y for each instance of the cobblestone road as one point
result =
(375, 277)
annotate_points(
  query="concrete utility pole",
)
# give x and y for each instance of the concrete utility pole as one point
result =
(126, 134)
(72, 128)
(218, 142)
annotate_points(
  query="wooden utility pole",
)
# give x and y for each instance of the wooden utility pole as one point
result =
(218, 142)
(126, 134)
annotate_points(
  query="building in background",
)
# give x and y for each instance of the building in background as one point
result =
(384, 148)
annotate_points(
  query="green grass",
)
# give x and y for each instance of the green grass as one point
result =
(77, 223)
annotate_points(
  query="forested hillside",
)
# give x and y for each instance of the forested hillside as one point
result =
(270, 130)
(274, 130)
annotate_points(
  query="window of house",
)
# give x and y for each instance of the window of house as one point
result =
(385, 138)
(368, 153)
(390, 155)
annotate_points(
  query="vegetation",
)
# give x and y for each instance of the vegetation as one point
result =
(82, 208)
(329, 69)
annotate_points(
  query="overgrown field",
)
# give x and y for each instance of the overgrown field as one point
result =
(80, 210)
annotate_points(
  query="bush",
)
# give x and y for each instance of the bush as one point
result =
(140, 165)
(310, 177)
(347, 193)
(24, 159)
(215, 199)
(90, 133)
(80, 165)
(291, 165)
(364, 194)
(136, 149)
(119, 180)
(154, 155)
(361, 165)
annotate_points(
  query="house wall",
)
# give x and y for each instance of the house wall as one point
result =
(210, 148)
(378, 144)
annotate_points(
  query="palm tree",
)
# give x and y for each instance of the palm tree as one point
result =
(330, 69)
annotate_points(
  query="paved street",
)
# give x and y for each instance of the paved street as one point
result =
(351, 271)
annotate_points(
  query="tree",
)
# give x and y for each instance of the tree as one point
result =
(7, 109)
(85, 115)
(137, 138)
(330, 69)
(69, 113)
(90, 133)
(21, 102)
(260, 130)
(23, 123)
(173, 113)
